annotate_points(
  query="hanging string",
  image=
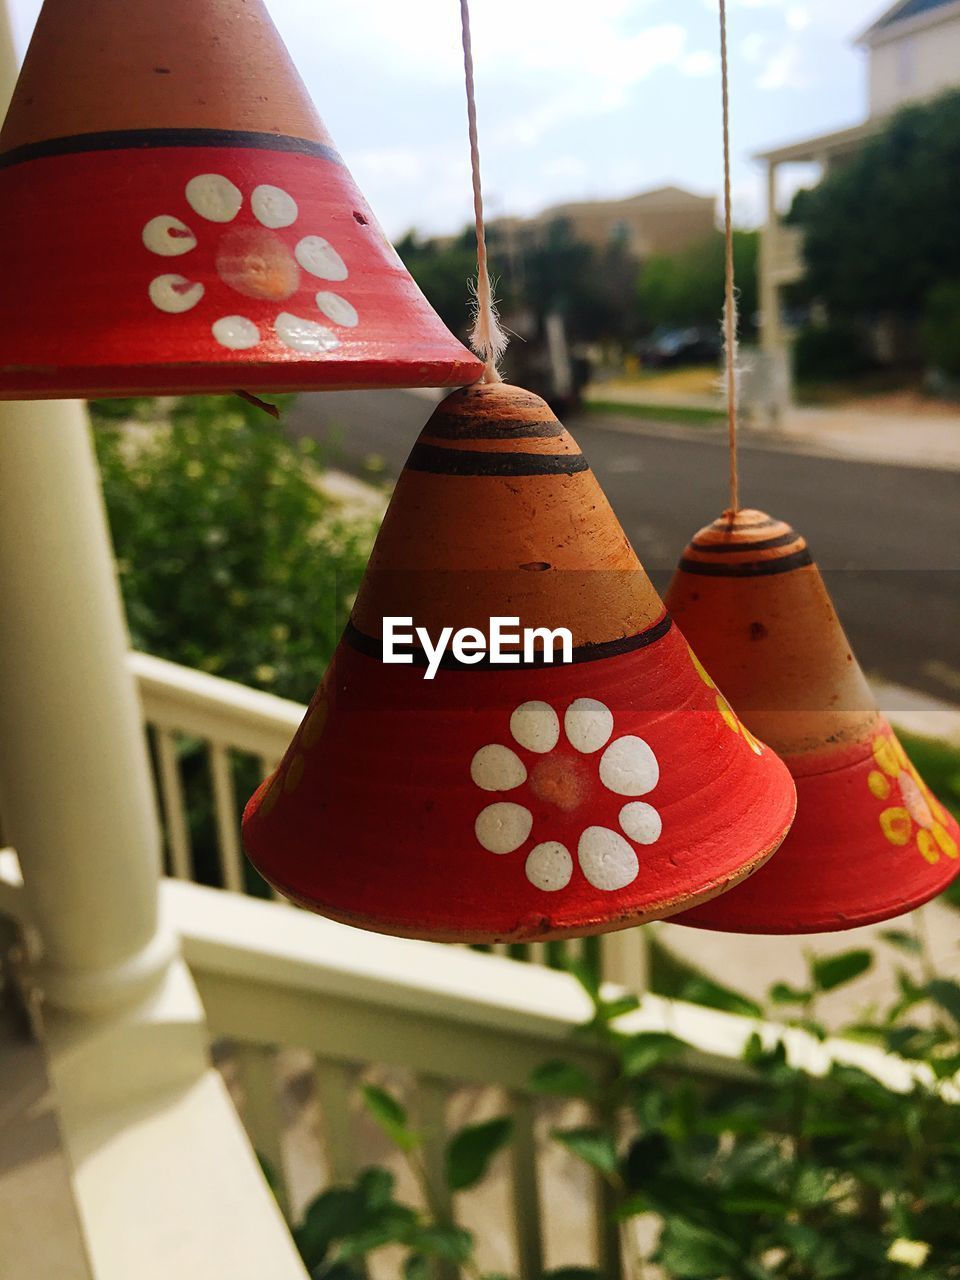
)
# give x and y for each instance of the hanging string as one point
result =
(486, 336)
(730, 294)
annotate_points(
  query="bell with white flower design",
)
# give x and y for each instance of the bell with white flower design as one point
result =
(535, 797)
(175, 218)
(870, 841)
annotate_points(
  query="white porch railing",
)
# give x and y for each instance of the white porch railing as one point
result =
(217, 740)
(272, 979)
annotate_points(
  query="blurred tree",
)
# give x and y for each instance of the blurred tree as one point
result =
(683, 289)
(881, 231)
(443, 269)
(593, 289)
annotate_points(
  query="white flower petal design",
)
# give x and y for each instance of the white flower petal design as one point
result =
(337, 309)
(319, 257)
(496, 768)
(175, 294)
(304, 335)
(273, 207)
(214, 197)
(629, 767)
(237, 333)
(536, 726)
(641, 822)
(168, 236)
(588, 724)
(606, 859)
(549, 866)
(503, 827)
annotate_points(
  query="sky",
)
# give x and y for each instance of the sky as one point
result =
(575, 100)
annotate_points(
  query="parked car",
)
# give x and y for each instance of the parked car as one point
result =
(667, 347)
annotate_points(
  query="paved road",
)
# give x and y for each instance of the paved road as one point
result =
(888, 538)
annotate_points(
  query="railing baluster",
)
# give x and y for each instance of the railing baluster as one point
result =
(261, 1112)
(225, 805)
(335, 1083)
(174, 809)
(431, 1108)
(624, 958)
(526, 1189)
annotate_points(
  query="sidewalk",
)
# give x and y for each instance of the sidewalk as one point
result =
(870, 434)
(928, 440)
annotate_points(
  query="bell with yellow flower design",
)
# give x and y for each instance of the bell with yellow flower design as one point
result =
(870, 841)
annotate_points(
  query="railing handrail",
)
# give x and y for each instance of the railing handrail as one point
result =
(232, 714)
(252, 945)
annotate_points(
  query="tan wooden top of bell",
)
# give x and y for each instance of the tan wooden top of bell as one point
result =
(100, 66)
(754, 608)
(497, 513)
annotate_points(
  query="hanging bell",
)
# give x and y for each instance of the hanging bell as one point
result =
(477, 800)
(870, 841)
(175, 218)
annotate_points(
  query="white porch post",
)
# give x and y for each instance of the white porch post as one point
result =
(75, 788)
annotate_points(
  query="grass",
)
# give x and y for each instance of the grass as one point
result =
(688, 415)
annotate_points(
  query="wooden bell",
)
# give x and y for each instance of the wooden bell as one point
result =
(870, 841)
(175, 218)
(529, 800)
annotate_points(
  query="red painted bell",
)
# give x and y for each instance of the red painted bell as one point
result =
(531, 800)
(175, 218)
(870, 841)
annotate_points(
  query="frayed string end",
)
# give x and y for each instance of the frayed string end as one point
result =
(486, 334)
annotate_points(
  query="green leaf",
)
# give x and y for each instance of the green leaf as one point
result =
(592, 1145)
(709, 993)
(783, 993)
(946, 994)
(610, 1010)
(376, 1186)
(562, 1079)
(905, 941)
(690, 1252)
(830, 972)
(585, 973)
(333, 1214)
(441, 1240)
(390, 1116)
(416, 1267)
(645, 1158)
(470, 1151)
(641, 1053)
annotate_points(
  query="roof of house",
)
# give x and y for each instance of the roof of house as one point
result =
(903, 11)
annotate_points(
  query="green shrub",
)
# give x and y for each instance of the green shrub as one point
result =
(941, 328)
(231, 558)
(830, 351)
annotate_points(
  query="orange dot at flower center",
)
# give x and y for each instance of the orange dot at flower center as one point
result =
(257, 264)
(559, 781)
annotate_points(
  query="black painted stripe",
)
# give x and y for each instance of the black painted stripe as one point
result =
(751, 569)
(372, 647)
(470, 462)
(496, 429)
(743, 524)
(763, 544)
(140, 139)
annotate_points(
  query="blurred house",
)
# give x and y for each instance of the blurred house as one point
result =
(913, 51)
(659, 221)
